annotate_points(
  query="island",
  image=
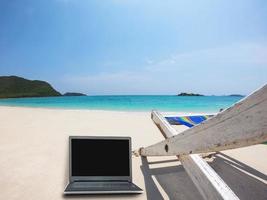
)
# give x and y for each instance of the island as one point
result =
(69, 94)
(236, 95)
(15, 87)
(189, 94)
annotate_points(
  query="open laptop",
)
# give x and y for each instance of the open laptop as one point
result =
(100, 165)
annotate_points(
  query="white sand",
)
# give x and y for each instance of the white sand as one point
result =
(34, 156)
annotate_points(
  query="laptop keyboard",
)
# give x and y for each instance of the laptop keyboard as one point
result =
(100, 184)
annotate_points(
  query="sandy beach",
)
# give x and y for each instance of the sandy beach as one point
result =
(34, 156)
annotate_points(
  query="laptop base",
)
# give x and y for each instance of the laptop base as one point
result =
(90, 187)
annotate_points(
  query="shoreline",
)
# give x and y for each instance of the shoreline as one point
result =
(167, 113)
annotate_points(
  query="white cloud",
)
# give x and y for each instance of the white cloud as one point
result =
(112, 83)
(248, 55)
(237, 68)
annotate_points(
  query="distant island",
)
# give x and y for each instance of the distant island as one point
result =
(14, 87)
(236, 95)
(189, 94)
(74, 94)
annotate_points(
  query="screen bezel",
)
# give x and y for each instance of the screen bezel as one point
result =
(100, 178)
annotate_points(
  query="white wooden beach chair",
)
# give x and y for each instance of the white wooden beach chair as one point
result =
(241, 125)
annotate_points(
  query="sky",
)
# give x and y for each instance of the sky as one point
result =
(136, 47)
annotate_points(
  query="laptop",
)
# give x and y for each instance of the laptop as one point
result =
(100, 165)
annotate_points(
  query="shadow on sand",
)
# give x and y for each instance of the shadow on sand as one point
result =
(246, 182)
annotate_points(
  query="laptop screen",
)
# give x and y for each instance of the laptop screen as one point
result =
(100, 157)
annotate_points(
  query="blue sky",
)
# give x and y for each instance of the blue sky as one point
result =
(136, 47)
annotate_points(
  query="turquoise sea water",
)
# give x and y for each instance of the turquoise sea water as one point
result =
(166, 103)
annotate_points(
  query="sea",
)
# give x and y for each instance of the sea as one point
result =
(164, 103)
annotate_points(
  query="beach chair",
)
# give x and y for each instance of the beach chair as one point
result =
(243, 124)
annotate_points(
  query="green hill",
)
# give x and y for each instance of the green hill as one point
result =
(14, 86)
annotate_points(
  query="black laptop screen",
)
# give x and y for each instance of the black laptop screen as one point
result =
(100, 157)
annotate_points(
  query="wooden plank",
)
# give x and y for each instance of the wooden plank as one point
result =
(165, 128)
(208, 182)
(241, 125)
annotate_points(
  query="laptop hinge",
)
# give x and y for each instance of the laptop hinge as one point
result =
(100, 181)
